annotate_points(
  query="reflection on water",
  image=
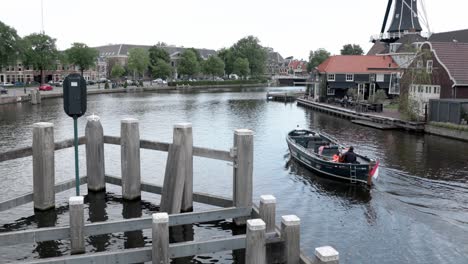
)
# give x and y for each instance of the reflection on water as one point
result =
(47, 249)
(416, 213)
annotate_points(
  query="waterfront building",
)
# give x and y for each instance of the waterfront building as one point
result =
(366, 73)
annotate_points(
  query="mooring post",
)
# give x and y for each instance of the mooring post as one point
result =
(160, 237)
(243, 170)
(38, 96)
(77, 224)
(184, 138)
(268, 211)
(290, 232)
(326, 255)
(130, 158)
(43, 166)
(95, 154)
(255, 249)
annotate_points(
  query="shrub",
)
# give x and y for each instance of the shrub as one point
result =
(378, 98)
(125, 84)
(106, 85)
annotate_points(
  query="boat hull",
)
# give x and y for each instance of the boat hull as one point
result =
(339, 171)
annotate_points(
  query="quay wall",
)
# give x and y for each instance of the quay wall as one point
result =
(447, 132)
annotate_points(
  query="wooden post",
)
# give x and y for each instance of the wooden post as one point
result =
(243, 170)
(95, 154)
(326, 255)
(178, 179)
(32, 94)
(290, 232)
(130, 158)
(183, 136)
(268, 211)
(160, 237)
(38, 96)
(43, 166)
(77, 225)
(255, 249)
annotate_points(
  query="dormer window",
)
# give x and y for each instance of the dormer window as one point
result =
(349, 77)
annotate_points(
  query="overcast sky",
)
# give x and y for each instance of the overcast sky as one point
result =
(292, 28)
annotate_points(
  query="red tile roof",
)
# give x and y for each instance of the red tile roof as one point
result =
(455, 57)
(357, 64)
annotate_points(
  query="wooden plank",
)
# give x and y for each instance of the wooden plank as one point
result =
(112, 140)
(212, 154)
(154, 145)
(28, 197)
(99, 228)
(27, 151)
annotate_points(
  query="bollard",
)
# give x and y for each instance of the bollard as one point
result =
(326, 255)
(77, 225)
(178, 178)
(43, 166)
(95, 154)
(184, 138)
(32, 94)
(243, 169)
(267, 211)
(255, 249)
(130, 158)
(290, 232)
(38, 96)
(160, 237)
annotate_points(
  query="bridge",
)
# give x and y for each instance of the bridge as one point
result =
(291, 80)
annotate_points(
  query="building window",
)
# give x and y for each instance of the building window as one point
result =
(380, 78)
(349, 77)
(330, 91)
(331, 77)
(419, 64)
(429, 65)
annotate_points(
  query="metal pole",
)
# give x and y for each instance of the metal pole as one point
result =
(77, 169)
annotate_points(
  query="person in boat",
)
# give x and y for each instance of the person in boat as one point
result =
(336, 157)
(350, 156)
(321, 148)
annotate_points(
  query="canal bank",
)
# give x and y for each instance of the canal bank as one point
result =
(27, 98)
(418, 203)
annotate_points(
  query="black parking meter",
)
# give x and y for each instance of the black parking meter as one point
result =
(74, 95)
(74, 104)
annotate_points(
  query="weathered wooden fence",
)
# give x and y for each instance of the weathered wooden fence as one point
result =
(264, 242)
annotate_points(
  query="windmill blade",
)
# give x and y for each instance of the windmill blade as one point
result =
(389, 5)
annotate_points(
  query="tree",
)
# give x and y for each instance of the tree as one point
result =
(161, 69)
(188, 64)
(228, 58)
(9, 45)
(82, 56)
(138, 61)
(250, 49)
(156, 53)
(316, 58)
(40, 52)
(213, 66)
(197, 54)
(352, 49)
(241, 67)
(117, 71)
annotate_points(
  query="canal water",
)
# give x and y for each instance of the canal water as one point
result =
(417, 212)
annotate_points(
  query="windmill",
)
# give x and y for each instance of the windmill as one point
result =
(406, 19)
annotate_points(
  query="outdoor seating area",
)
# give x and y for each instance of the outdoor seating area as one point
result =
(360, 106)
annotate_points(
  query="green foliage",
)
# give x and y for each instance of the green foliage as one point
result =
(228, 82)
(249, 48)
(117, 71)
(228, 58)
(188, 64)
(161, 69)
(10, 45)
(125, 85)
(241, 67)
(156, 53)
(378, 98)
(352, 49)
(106, 85)
(408, 108)
(316, 58)
(197, 54)
(82, 56)
(138, 60)
(213, 66)
(40, 52)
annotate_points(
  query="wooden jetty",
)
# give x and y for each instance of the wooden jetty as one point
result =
(283, 97)
(376, 121)
(264, 241)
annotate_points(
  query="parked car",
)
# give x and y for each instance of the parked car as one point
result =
(6, 84)
(3, 91)
(90, 82)
(45, 87)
